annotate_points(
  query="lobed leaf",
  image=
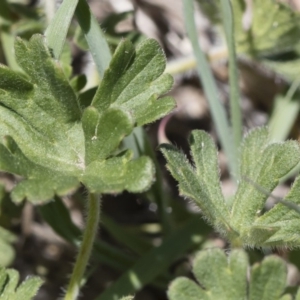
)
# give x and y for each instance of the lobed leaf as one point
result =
(268, 279)
(134, 80)
(262, 165)
(101, 143)
(9, 289)
(261, 36)
(285, 219)
(220, 277)
(53, 143)
(274, 42)
(201, 183)
(119, 173)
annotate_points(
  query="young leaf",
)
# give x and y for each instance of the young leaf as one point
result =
(222, 277)
(202, 183)
(262, 164)
(9, 288)
(53, 143)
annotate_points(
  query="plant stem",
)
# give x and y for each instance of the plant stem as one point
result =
(93, 213)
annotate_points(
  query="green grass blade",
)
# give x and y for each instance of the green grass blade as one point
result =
(285, 113)
(94, 36)
(7, 41)
(210, 89)
(235, 111)
(57, 30)
(153, 263)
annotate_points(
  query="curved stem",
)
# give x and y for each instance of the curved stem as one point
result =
(93, 212)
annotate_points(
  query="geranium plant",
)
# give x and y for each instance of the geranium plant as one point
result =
(54, 142)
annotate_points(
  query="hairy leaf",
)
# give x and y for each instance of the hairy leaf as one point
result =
(54, 143)
(134, 81)
(220, 277)
(262, 165)
(268, 279)
(273, 41)
(9, 289)
(202, 182)
(259, 35)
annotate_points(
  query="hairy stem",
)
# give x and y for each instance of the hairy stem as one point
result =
(93, 212)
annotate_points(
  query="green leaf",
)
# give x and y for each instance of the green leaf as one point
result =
(7, 251)
(277, 33)
(222, 277)
(47, 138)
(286, 219)
(202, 183)
(274, 42)
(119, 173)
(268, 279)
(140, 82)
(99, 143)
(262, 165)
(9, 289)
